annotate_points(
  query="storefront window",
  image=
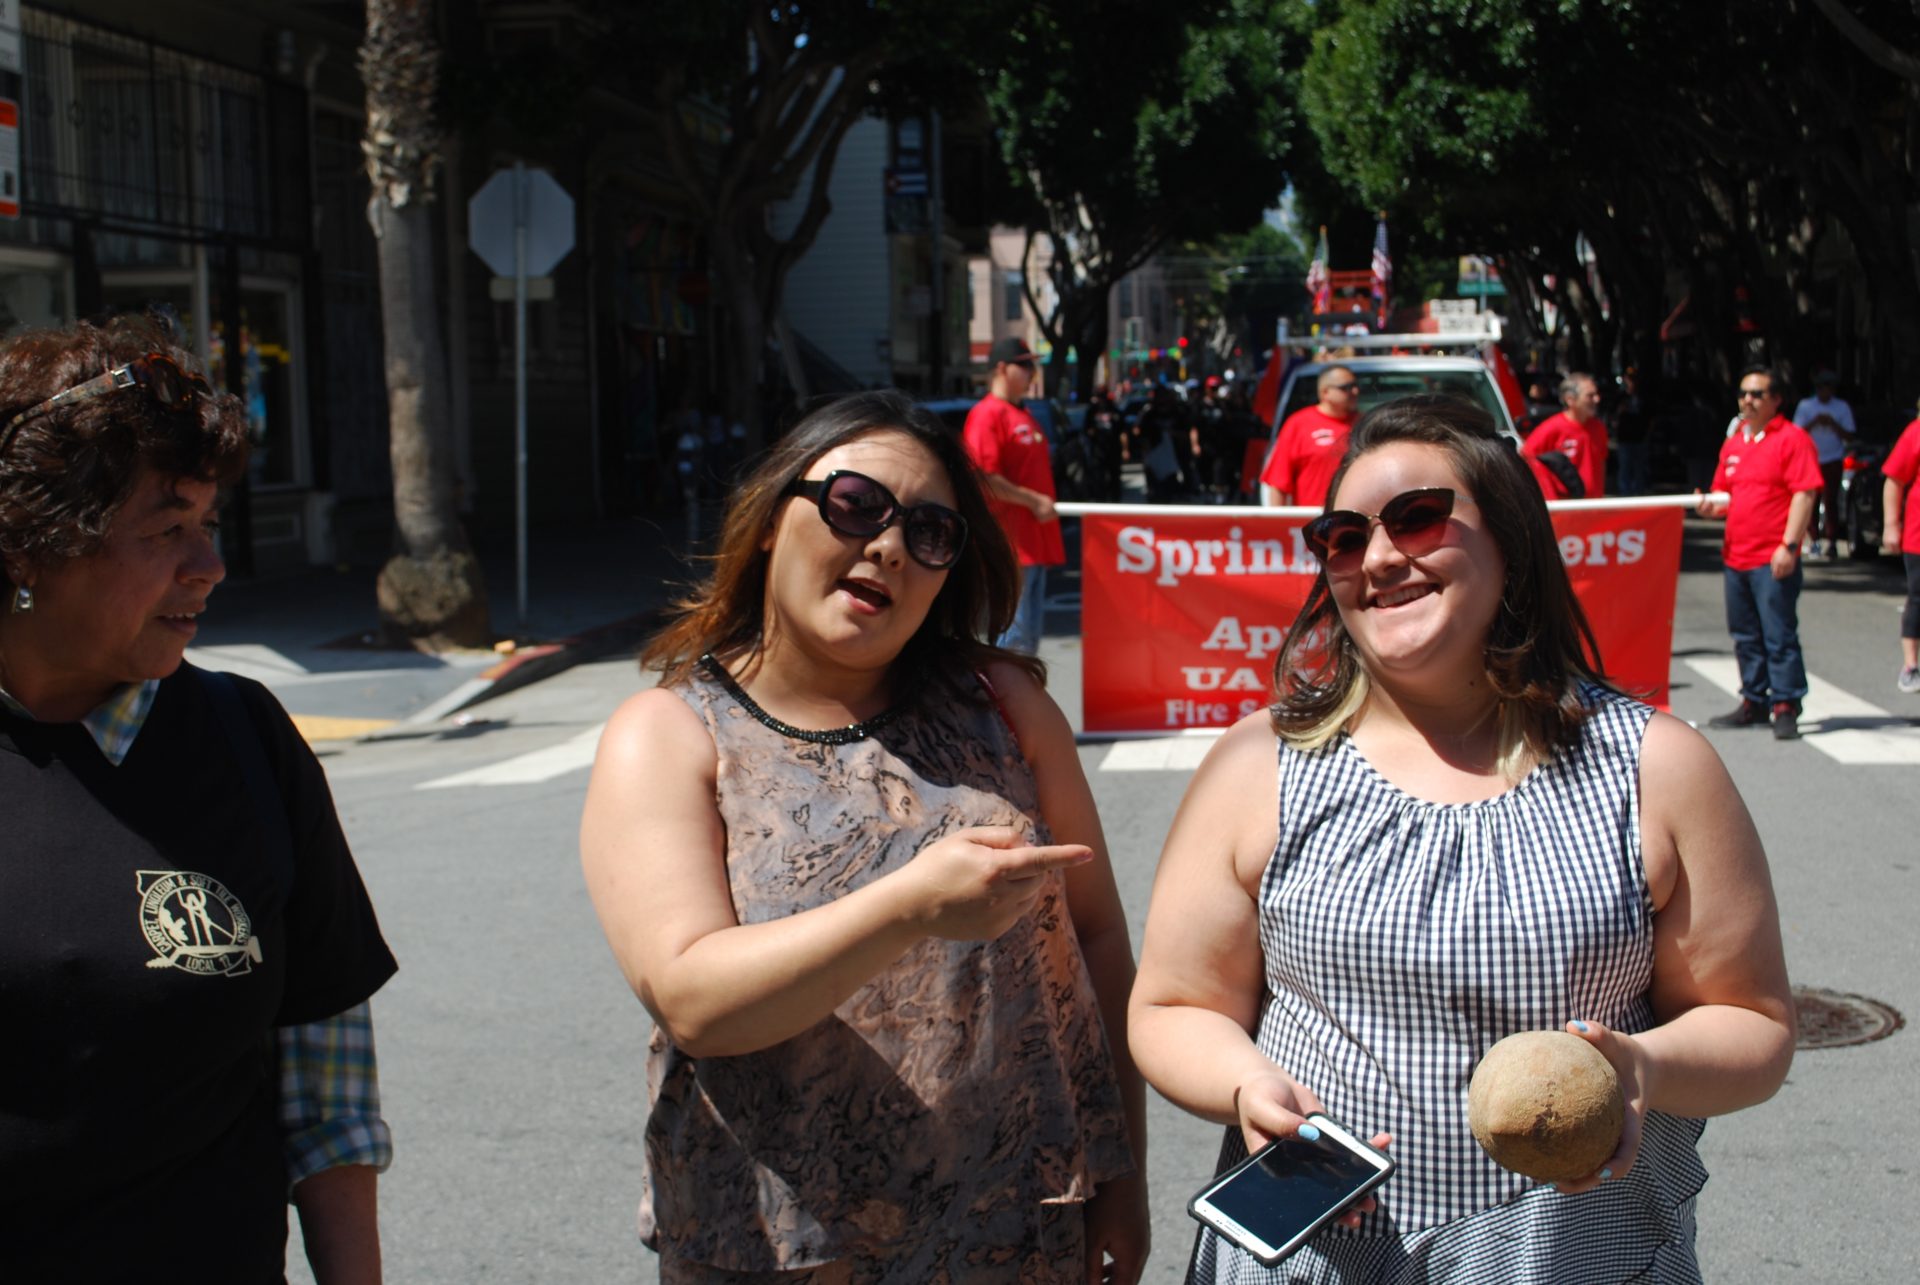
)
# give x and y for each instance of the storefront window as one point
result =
(266, 350)
(32, 296)
(173, 299)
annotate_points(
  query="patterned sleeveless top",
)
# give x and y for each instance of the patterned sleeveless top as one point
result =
(939, 1118)
(1402, 939)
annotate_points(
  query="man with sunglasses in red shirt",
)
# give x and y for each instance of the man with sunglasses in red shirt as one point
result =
(1771, 472)
(1011, 452)
(1312, 442)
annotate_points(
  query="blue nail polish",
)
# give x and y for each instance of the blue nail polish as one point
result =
(1580, 1026)
(1309, 1133)
(1606, 1173)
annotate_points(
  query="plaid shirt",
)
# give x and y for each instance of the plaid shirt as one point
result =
(114, 723)
(329, 1080)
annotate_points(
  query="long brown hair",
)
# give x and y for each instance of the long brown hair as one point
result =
(976, 604)
(1539, 648)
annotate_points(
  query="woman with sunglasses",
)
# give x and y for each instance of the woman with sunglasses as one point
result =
(1449, 829)
(189, 950)
(846, 857)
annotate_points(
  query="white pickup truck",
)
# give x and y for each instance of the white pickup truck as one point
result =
(1385, 371)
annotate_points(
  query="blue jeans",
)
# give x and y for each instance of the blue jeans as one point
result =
(1030, 618)
(1763, 617)
(1632, 458)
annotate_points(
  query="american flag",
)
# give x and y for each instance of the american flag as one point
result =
(1319, 285)
(1382, 268)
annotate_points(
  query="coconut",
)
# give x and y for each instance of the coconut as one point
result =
(1546, 1104)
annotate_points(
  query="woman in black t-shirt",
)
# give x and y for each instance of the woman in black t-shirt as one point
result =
(189, 953)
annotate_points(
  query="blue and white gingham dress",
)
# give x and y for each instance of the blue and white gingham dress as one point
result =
(1402, 939)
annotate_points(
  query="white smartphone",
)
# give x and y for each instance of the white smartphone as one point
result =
(1276, 1200)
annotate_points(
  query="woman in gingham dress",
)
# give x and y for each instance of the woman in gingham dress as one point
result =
(1469, 834)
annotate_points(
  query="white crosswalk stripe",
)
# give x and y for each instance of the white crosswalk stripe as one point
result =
(1837, 723)
(1157, 754)
(1149, 754)
(249, 660)
(530, 768)
(1842, 726)
(280, 671)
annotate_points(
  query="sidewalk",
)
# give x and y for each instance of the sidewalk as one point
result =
(307, 635)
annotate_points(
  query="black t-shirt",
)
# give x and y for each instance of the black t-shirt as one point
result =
(153, 944)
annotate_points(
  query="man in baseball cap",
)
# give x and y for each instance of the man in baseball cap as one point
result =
(1013, 349)
(1011, 452)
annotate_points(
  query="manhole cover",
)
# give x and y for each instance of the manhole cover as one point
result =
(1831, 1020)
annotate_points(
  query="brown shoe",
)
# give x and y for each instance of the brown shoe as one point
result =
(1786, 721)
(1750, 714)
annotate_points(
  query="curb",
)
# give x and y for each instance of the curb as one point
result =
(316, 728)
(530, 665)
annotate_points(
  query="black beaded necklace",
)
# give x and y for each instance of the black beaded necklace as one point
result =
(832, 736)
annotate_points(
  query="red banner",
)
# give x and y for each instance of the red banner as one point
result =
(1181, 616)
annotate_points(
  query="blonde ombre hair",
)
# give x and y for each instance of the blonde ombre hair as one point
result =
(1539, 649)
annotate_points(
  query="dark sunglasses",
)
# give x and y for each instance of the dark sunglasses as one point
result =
(1344, 388)
(159, 376)
(1416, 522)
(856, 505)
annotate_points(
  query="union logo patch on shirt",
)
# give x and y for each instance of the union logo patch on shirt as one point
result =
(194, 924)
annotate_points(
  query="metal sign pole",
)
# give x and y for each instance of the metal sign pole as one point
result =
(521, 223)
(520, 383)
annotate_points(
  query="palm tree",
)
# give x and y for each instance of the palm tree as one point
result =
(431, 591)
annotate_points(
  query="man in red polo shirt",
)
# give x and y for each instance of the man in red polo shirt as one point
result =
(1010, 450)
(1900, 534)
(1771, 472)
(1311, 443)
(1578, 434)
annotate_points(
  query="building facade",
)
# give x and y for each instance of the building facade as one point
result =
(200, 185)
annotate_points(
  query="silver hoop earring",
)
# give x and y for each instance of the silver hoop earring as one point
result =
(22, 601)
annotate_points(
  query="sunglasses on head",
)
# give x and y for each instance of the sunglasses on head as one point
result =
(160, 377)
(1416, 522)
(856, 505)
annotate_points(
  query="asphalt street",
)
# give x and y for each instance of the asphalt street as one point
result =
(513, 1057)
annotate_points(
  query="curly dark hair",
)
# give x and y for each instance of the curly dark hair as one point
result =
(1540, 646)
(974, 606)
(65, 473)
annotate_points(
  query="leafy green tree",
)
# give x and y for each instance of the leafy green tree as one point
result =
(753, 101)
(1234, 287)
(1527, 128)
(1154, 123)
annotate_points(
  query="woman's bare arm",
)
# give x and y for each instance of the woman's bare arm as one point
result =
(653, 848)
(1720, 989)
(1197, 996)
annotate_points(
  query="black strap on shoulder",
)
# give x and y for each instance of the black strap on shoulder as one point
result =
(244, 739)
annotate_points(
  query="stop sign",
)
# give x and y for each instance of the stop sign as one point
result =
(512, 198)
